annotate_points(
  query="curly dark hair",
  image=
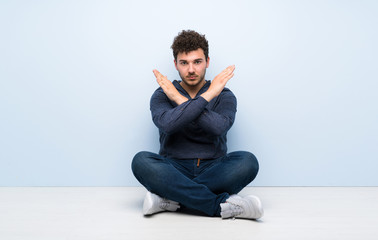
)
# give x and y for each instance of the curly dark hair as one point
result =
(189, 40)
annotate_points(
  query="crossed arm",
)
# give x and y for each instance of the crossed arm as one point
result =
(170, 119)
(216, 87)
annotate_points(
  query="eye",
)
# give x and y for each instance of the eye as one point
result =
(197, 62)
(183, 63)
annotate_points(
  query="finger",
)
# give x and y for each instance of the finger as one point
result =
(231, 68)
(158, 77)
(229, 76)
(225, 72)
(162, 77)
(228, 70)
(156, 72)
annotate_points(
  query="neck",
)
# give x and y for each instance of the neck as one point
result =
(192, 90)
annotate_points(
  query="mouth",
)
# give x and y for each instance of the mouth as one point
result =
(192, 77)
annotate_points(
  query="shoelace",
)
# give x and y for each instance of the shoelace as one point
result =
(236, 210)
(164, 204)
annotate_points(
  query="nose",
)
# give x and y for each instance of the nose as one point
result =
(191, 68)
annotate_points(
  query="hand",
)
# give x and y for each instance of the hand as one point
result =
(168, 88)
(218, 83)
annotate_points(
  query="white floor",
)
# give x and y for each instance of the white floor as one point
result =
(115, 213)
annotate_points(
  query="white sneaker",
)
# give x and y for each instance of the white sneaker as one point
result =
(154, 204)
(249, 207)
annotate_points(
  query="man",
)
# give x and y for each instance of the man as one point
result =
(193, 115)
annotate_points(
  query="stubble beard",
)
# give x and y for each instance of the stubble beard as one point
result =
(191, 83)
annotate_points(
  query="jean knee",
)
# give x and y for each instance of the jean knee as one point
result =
(250, 165)
(254, 165)
(139, 161)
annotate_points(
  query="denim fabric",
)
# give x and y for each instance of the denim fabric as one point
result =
(200, 186)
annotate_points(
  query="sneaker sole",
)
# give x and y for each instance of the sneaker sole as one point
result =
(257, 202)
(148, 202)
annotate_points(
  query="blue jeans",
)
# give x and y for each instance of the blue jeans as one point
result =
(200, 185)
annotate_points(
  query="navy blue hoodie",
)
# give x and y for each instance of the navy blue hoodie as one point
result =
(195, 128)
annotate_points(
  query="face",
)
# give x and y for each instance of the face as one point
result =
(192, 67)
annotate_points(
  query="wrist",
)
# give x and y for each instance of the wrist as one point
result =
(180, 99)
(208, 95)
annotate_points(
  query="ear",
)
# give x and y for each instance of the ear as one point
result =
(207, 62)
(174, 60)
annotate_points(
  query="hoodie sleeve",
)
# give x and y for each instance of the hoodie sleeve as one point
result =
(169, 117)
(219, 120)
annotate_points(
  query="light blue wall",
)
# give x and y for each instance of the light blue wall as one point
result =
(75, 83)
